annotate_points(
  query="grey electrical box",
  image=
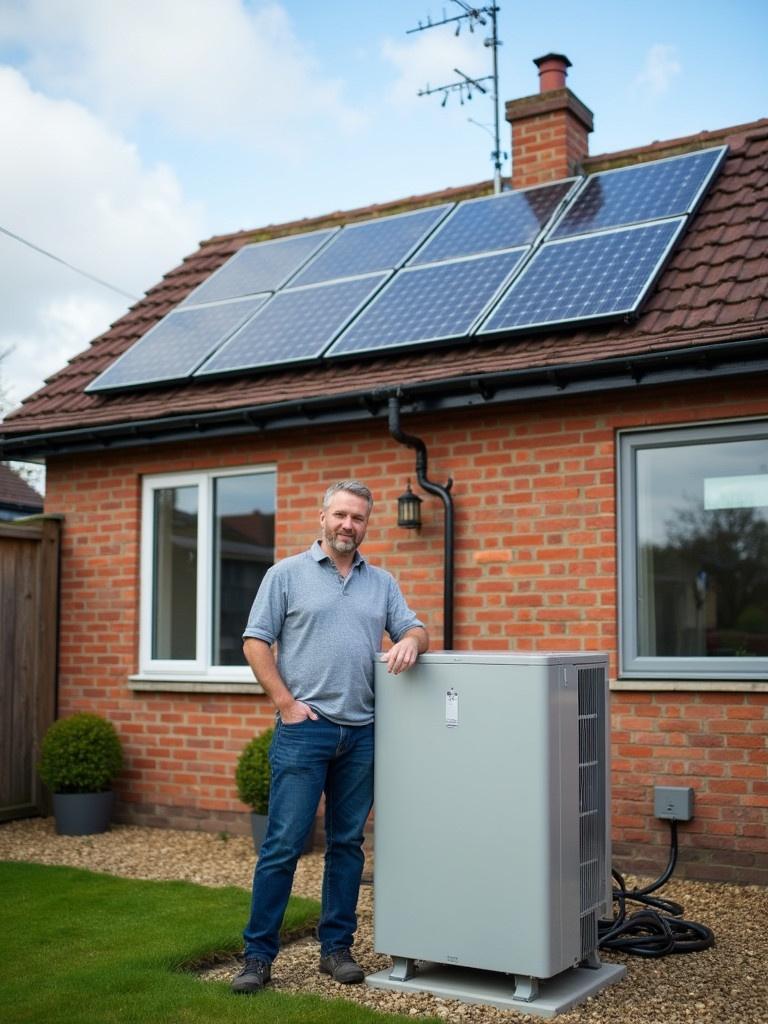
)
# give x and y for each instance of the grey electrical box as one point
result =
(673, 802)
(492, 828)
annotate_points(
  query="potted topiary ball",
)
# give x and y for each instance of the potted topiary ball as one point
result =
(79, 758)
(252, 777)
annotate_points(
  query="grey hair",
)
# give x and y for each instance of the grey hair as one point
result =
(354, 487)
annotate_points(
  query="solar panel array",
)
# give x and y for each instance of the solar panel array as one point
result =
(573, 251)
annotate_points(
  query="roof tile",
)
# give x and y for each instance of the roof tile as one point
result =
(16, 492)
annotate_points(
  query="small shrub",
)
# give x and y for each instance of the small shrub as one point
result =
(80, 754)
(253, 773)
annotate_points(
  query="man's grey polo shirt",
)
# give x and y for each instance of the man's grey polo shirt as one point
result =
(328, 629)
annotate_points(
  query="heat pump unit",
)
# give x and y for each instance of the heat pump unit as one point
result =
(492, 827)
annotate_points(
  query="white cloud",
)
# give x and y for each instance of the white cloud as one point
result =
(88, 77)
(660, 69)
(80, 191)
(429, 59)
(211, 71)
(53, 333)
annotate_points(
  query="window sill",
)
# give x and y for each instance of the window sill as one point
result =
(692, 685)
(174, 684)
(159, 684)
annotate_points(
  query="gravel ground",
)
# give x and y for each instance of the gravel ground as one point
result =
(724, 985)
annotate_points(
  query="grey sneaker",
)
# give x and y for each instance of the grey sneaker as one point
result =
(253, 977)
(342, 967)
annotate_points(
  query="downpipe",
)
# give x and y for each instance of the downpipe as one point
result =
(444, 493)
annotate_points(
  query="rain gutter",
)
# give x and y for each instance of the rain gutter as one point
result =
(671, 366)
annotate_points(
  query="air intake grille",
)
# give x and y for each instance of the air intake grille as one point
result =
(592, 801)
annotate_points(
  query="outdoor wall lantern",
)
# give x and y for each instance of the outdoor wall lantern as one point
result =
(412, 520)
(409, 510)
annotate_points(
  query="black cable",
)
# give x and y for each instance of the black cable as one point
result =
(657, 930)
(70, 266)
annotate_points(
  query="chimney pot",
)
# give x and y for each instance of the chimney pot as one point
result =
(552, 71)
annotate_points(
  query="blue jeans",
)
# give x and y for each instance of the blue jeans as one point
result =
(308, 759)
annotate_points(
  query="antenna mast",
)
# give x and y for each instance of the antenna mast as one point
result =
(465, 84)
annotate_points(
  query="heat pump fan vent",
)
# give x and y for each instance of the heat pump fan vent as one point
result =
(592, 803)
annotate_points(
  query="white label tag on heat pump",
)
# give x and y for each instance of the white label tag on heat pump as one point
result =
(451, 707)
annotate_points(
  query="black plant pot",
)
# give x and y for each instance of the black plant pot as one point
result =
(82, 814)
(259, 830)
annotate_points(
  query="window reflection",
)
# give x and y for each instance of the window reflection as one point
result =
(244, 548)
(702, 515)
(174, 590)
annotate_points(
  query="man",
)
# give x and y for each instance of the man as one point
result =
(328, 610)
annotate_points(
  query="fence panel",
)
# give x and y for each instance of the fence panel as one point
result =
(29, 580)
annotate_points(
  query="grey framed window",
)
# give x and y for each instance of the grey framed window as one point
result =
(693, 552)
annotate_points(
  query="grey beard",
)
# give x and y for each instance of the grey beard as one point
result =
(342, 545)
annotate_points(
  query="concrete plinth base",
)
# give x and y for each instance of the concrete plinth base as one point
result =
(555, 995)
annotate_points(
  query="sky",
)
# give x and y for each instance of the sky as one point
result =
(133, 129)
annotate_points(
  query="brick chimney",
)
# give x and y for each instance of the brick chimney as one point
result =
(550, 129)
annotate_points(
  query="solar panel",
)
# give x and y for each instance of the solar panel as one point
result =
(175, 346)
(432, 303)
(584, 278)
(261, 267)
(493, 222)
(374, 245)
(296, 324)
(629, 195)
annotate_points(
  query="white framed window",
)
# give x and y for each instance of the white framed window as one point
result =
(693, 552)
(207, 539)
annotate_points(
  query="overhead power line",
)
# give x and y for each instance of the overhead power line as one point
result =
(70, 266)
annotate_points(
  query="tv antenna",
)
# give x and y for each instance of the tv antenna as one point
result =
(465, 83)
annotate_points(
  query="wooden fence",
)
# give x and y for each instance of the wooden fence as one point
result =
(29, 581)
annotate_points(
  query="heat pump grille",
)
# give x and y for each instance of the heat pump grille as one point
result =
(589, 935)
(592, 802)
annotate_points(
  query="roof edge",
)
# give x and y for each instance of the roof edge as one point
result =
(684, 143)
(670, 366)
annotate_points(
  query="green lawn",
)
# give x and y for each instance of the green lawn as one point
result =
(82, 947)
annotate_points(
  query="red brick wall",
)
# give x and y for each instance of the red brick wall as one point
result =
(535, 570)
(715, 742)
(546, 148)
